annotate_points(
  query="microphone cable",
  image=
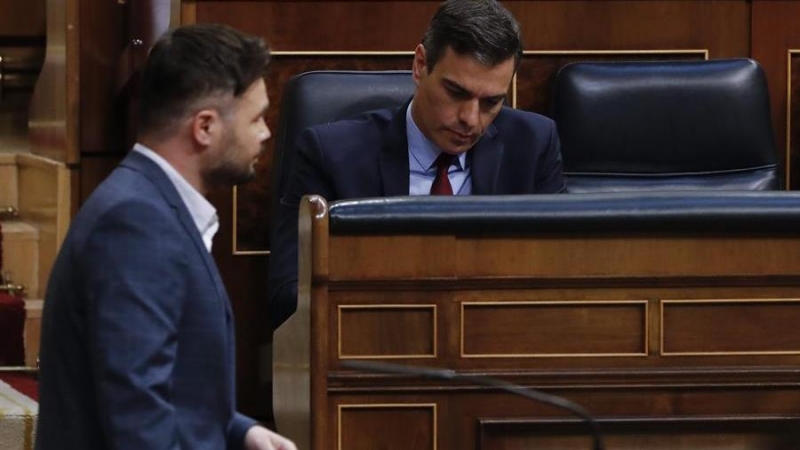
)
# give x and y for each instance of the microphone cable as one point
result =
(448, 374)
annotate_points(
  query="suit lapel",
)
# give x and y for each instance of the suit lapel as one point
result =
(486, 157)
(156, 175)
(153, 172)
(393, 157)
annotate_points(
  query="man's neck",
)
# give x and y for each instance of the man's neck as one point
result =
(183, 160)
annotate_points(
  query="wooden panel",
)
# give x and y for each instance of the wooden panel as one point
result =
(792, 159)
(22, 18)
(628, 256)
(554, 329)
(326, 25)
(33, 331)
(387, 331)
(419, 256)
(20, 257)
(641, 417)
(450, 295)
(578, 257)
(697, 327)
(387, 427)
(421, 333)
(52, 117)
(44, 202)
(720, 26)
(774, 32)
(103, 34)
(20, 62)
(684, 418)
(8, 180)
(730, 433)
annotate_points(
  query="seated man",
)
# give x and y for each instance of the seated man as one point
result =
(454, 137)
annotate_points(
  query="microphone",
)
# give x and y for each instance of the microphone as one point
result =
(448, 374)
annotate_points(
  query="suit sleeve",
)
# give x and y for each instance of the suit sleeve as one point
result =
(237, 430)
(308, 176)
(135, 287)
(550, 170)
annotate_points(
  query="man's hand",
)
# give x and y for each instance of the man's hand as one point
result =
(260, 438)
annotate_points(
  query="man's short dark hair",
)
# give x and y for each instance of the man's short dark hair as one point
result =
(194, 63)
(483, 29)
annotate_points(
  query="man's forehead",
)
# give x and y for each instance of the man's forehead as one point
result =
(469, 73)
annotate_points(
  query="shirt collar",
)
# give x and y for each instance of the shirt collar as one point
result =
(202, 211)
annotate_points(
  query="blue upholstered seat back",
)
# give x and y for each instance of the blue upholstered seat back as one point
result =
(666, 125)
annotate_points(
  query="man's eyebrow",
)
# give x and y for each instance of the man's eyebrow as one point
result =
(462, 90)
(453, 85)
(496, 98)
(264, 109)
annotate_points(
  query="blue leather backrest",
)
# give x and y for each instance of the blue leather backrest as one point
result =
(665, 125)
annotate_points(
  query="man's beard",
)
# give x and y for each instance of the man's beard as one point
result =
(227, 174)
(227, 171)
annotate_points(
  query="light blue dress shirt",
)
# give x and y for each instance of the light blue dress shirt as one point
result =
(422, 154)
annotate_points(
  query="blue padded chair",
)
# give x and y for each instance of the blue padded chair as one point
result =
(665, 125)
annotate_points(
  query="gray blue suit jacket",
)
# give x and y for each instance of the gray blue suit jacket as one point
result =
(137, 347)
(520, 153)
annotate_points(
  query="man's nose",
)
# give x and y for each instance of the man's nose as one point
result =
(265, 133)
(468, 112)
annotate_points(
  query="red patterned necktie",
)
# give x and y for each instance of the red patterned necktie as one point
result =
(441, 184)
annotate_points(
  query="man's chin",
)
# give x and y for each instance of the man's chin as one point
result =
(246, 178)
(230, 178)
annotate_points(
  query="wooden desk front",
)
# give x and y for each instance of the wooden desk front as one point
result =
(670, 339)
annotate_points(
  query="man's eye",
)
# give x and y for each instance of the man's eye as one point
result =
(457, 93)
(490, 103)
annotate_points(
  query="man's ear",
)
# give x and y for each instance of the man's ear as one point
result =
(205, 126)
(419, 68)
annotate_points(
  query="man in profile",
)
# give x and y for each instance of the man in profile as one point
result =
(454, 137)
(137, 347)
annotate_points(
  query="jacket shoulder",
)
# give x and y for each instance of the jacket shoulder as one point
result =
(365, 122)
(510, 117)
(350, 139)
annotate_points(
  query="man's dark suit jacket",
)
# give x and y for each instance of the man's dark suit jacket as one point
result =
(368, 157)
(137, 347)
